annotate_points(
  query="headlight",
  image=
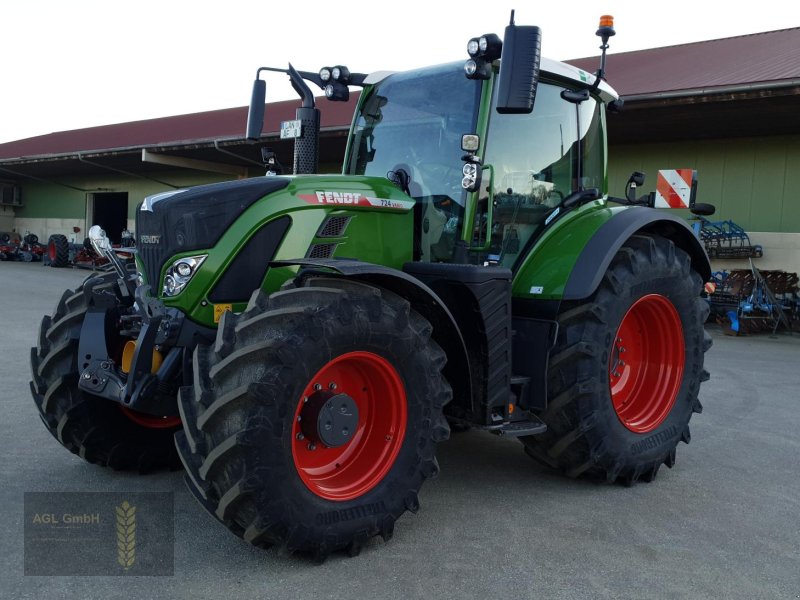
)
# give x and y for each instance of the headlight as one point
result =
(325, 74)
(473, 47)
(180, 273)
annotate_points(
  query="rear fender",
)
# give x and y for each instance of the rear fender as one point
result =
(600, 250)
(569, 261)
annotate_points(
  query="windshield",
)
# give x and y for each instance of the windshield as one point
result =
(409, 130)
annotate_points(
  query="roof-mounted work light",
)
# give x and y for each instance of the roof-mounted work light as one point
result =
(337, 92)
(482, 51)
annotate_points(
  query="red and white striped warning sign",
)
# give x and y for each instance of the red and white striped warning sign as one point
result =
(674, 188)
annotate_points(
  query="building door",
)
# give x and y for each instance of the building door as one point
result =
(110, 211)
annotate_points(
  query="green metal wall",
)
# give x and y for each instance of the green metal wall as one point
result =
(753, 181)
(54, 201)
(50, 200)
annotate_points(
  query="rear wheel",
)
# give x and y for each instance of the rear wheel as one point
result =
(98, 430)
(58, 250)
(313, 420)
(625, 374)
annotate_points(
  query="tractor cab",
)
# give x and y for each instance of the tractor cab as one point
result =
(486, 182)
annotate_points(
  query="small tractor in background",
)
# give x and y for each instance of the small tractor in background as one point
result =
(308, 340)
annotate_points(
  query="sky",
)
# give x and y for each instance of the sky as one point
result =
(80, 63)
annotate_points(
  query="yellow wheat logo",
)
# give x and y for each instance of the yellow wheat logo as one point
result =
(126, 535)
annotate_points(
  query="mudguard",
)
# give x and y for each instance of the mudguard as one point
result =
(569, 260)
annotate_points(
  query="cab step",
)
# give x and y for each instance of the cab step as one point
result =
(532, 426)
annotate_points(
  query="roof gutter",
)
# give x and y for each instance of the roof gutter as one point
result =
(128, 173)
(50, 181)
(714, 91)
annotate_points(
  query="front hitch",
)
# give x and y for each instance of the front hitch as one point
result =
(102, 376)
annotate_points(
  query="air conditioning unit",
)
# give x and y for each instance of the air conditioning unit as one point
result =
(10, 194)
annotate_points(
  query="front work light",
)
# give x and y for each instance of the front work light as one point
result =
(340, 74)
(477, 68)
(490, 46)
(337, 92)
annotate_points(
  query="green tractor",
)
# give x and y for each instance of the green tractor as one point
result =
(301, 344)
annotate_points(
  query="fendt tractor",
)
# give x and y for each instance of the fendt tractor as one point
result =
(301, 343)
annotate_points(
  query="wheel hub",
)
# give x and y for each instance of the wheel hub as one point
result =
(349, 426)
(329, 418)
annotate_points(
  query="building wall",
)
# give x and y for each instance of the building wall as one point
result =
(49, 208)
(752, 181)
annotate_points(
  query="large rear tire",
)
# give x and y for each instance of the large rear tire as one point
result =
(98, 430)
(624, 376)
(264, 456)
(58, 250)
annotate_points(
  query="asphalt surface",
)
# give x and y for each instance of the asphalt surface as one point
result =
(724, 523)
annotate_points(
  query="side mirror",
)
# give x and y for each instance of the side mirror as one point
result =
(635, 180)
(255, 115)
(702, 209)
(519, 69)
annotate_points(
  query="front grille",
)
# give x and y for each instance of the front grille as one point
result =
(152, 257)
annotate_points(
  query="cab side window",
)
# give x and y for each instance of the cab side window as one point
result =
(536, 160)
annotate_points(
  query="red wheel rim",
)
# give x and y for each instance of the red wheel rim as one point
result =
(646, 365)
(348, 471)
(150, 421)
(51, 251)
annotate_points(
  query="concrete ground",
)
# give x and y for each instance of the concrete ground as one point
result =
(724, 523)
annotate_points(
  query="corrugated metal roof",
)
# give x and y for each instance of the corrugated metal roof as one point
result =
(759, 58)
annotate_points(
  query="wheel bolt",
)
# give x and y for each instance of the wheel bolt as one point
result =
(332, 385)
(312, 446)
(317, 387)
(300, 436)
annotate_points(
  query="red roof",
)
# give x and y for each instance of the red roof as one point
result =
(749, 60)
(762, 59)
(228, 123)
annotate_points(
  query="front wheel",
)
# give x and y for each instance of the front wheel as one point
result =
(624, 376)
(98, 430)
(314, 418)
